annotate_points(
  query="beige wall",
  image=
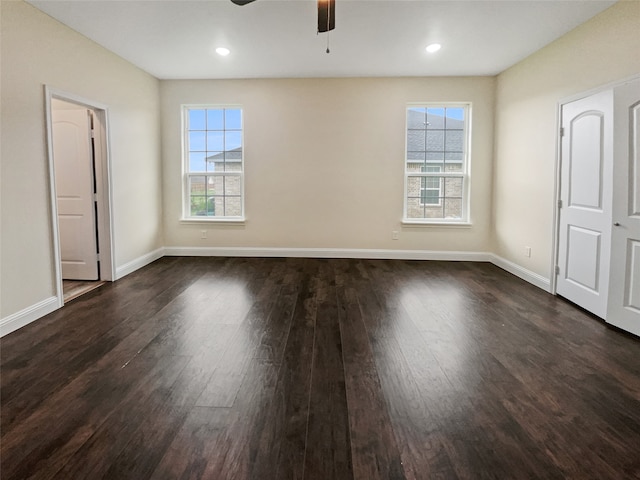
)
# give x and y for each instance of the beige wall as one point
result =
(601, 51)
(324, 162)
(37, 50)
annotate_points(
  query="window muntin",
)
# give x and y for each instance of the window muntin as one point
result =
(436, 163)
(213, 163)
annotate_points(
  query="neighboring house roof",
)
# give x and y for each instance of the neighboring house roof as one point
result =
(230, 156)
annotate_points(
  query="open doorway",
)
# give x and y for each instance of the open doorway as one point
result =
(80, 194)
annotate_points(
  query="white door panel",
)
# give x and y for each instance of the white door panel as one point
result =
(586, 160)
(624, 292)
(585, 193)
(74, 189)
(583, 257)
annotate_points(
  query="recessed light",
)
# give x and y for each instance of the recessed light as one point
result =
(434, 47)
(223, 51)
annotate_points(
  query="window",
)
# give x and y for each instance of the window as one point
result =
(213, 163)
(436, 164)
(431, 187)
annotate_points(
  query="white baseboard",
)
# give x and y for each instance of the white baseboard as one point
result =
(19, 319)
(526, 275)
(326, 253)
(135, 264)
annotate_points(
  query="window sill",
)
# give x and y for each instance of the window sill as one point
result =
(218, 221)
(434, 223)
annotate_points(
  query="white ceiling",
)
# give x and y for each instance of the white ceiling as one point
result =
(176, 39)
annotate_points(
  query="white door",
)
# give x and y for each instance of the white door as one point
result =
(585, 202)
(73, 159)
(624, 291)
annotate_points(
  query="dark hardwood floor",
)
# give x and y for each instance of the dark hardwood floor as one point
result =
(235, 368)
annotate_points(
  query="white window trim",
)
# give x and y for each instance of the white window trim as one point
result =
(465, 220)
(186, 174)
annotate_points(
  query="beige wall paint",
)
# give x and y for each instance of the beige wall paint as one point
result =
(37, 50)
(324, 162)
(603, 50)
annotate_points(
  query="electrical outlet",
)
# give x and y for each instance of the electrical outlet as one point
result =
(203, 234)
(527, 251)
(395, 235)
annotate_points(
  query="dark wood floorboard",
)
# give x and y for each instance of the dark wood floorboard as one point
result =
(330, 369)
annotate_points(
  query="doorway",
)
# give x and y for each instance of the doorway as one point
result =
(80, 194)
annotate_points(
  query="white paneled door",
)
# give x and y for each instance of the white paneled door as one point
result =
(585, 202)
(72, 152)
(624, 291)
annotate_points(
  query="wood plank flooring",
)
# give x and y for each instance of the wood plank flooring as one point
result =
(238, 368)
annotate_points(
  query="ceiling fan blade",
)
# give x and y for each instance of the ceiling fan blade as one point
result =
(326, 15)
(242, 2)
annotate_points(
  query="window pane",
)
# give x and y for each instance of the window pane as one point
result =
(416, 118)
(453, 208)
(431, 197)
(198, 206)
(197, 120)
(233, 119)
(197, 162)
(211, 206)
(435, 140)
(233, 206)
(232, 185)
(197, 141)
(434, 211)
(235, 154)
(197, 186)
(438, 157)
(453, 187)
(416, 156)
(453, 167)
(232, 140)
(415, 141)
(414, 167)
(215, 141)
(215, 161)
(414, 185)
(233, 166)
(432, 182)
(435, 117)
(215, 185)
(455, 156)
(215, 119)
(455, 141)
(455, 116)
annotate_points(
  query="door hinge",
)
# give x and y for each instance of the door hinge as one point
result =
(95, 197)
(93, 133)
(557, 269)
(562, 131)
(98, 257)
(559, 203)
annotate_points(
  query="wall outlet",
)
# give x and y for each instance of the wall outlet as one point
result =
(395, 235)
(527, 251)
(203, 234)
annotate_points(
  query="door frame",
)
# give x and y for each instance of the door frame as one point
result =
(104, 220)
(555, 247)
